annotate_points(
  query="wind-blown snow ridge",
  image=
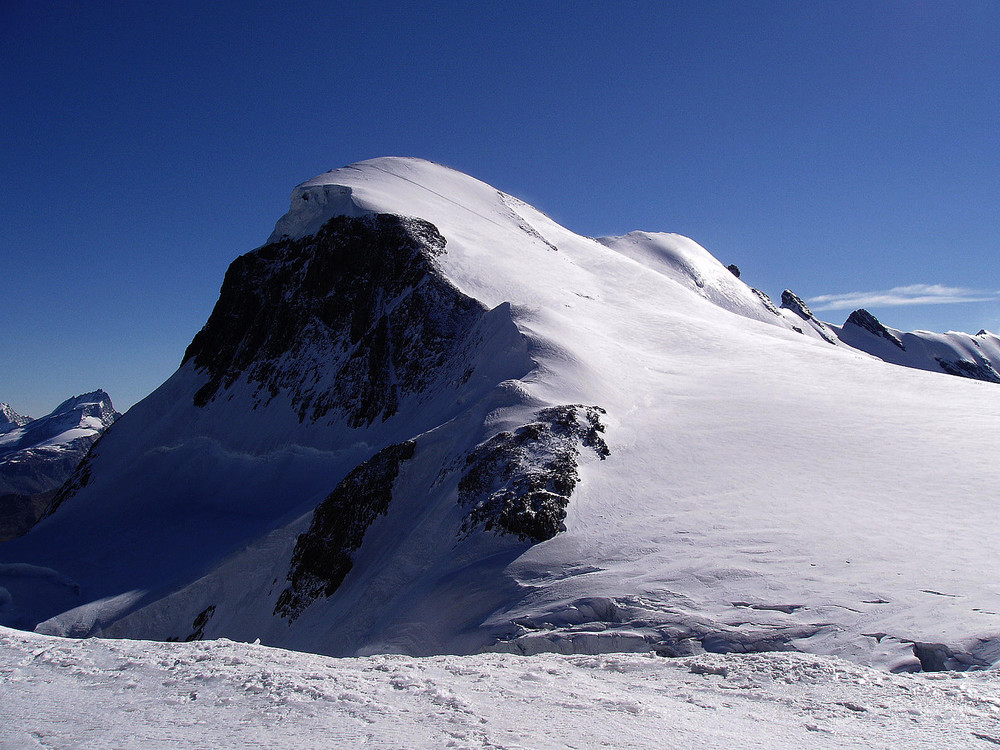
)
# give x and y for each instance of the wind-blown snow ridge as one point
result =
(758, 488)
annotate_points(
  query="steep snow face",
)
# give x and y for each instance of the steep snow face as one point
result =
(38, 455)
(976, 357)
(605, 456)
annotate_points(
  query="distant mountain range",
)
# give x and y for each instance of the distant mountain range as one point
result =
(38, 455)
(426, 418)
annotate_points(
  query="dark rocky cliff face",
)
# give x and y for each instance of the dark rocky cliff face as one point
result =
(323, 555)
(349, 320)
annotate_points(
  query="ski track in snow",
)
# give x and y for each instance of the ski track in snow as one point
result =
(95, 694)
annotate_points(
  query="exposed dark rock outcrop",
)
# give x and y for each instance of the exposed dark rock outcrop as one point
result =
(865, 320)
(734, 269)
(762, 296)
(322, 556)
(199, 625)
(18, 513)
(965, 368)
(520, 482)
(791, 301)
(352, 319)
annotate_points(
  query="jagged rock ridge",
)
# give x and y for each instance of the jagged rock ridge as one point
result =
(10, 419)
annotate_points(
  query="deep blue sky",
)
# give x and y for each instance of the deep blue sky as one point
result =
(833, 148)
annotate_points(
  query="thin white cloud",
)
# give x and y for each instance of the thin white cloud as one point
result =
(915, 294)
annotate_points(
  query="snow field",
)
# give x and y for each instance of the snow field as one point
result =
(104, 694)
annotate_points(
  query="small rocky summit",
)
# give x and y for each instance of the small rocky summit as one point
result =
(791, 301)
(865, 320)
(37, 456)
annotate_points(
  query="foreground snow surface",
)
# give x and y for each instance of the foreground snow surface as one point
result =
(57, 693)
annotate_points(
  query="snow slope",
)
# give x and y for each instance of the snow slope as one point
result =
(125, 694)
(515, 438)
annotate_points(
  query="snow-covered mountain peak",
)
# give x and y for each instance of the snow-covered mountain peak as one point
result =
(38, 455)
(94, 404)
(83, 416)
(10, 419)
(384, 185)
(426, 417)
(969, 356)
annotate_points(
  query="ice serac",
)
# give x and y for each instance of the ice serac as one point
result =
(38, 455)
(426, 418)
